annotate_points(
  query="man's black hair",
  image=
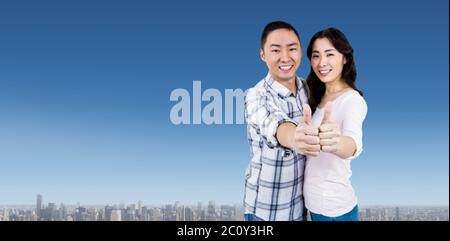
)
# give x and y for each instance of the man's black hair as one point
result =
(272, 26)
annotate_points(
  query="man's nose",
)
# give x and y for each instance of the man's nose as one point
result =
(284, 55)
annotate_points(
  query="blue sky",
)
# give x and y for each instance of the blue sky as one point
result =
(85, 86)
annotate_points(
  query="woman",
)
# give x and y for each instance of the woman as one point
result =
(338, 112)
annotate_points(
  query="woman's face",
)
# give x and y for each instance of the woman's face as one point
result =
(326, 61)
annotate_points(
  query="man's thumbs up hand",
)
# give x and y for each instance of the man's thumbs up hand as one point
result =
(329, 133)
(307, 114)
(306, 137)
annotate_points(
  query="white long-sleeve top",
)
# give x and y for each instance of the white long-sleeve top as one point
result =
(327, 187)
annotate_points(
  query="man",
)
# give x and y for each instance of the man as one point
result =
(273, 108)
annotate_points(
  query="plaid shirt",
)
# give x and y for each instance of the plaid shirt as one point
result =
(274, 177)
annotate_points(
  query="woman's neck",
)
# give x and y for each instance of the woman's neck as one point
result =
(332, 91)
(335, 87)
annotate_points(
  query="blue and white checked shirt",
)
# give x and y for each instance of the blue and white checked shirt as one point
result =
(274, 177)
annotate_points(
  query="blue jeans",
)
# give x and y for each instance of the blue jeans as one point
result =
(350, 216)
(252, 217)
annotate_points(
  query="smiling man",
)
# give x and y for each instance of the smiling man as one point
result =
(274, 177)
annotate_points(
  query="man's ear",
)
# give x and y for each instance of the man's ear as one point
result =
(261, 54)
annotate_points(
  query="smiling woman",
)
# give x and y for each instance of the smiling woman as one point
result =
(339, 111)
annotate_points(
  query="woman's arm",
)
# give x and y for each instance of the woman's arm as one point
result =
(332, 141)
(346, 147)
(345, 143)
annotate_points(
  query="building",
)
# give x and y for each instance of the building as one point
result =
(397, 214)
(116, 215)
(39, 206)
(188, 214)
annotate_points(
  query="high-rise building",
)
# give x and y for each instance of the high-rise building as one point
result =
(139, 210)
(180, 213)
(129, 214)
(385, 214)
(108, 212)
(368, 214)
(156, 214)
(144, 214)
(39, 206)
(397, 214)
(199, 207)
(169, 213)
(63, 211)
(188, 214)
(116, 215)
(211, 211)
(52, 212)
(5, 215)
(100, 215)
(80, 214)
(227, 213)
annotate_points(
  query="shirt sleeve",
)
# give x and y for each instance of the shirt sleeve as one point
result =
(355, 112)
(263, 114)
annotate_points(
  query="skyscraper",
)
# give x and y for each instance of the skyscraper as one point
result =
(108, 212)
(63, 211)
(80, 214)
(139, 210)
(188, 214)
(116, 215)
(368, 215)
(39, 206)
(397, 214)
(211, 211)
(385, 214)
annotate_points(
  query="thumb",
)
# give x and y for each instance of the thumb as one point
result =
(326, 113)
(307, 114)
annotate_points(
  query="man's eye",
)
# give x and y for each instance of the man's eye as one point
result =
(315, 56)
(275, 50)
(293, 49)
(329, 55)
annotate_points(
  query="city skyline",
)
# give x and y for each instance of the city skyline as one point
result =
(239, 202)
(210, 211)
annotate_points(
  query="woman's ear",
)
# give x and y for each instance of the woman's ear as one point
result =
(345, 60)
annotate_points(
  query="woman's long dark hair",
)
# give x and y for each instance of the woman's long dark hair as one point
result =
(340, 42)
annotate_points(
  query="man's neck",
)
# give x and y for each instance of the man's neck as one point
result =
(291, 85)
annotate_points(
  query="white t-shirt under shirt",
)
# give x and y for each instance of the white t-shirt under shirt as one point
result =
(327, 188)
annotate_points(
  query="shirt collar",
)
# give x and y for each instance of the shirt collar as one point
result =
(280, 89)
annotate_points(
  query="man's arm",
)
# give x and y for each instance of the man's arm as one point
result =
(285, 134)
(265, 116)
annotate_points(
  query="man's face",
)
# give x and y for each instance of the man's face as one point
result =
(282, 53)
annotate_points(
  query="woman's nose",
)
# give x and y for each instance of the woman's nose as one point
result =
(323, 62)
